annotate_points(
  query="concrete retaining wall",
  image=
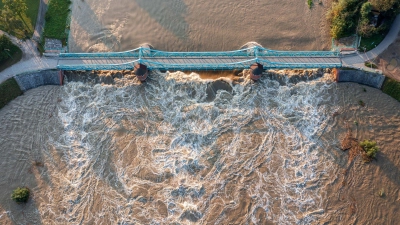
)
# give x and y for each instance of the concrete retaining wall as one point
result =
(36, 79)
(362, 77)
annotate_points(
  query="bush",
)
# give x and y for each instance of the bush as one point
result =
(392, 88)
(343, 17)
(310, 3)
(7, 48)
(9, 90)
(370, 148)
(20, 195)
(370, 65)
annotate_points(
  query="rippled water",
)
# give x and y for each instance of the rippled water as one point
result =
(161, 152)
(197, 25)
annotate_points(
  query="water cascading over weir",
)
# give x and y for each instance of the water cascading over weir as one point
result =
(253, 57)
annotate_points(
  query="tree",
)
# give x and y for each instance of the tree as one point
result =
(384, 5)
(20, 195)
(370, 148)
(18, 8)
(9, 21)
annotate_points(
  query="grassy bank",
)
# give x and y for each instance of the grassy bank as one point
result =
(9, 90)
(30, 18)
(370, 19)
(392, 88)
(56, 19)
(9, 53)
(16, 57)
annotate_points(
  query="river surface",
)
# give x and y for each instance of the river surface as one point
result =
(197, 25)
(174, 150)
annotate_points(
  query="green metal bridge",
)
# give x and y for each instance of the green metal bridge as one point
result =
(239, 59)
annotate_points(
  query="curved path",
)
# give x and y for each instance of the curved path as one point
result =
(357, 61)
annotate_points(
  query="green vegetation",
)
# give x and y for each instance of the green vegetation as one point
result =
(355, 16)
(56, 19)
(392, 88)
(371, 65)
(9, 90)
(361, 103)
(310, 3)
(370, 149)
(18, 17)
(20, 195)
(368, 43)
(9, 53)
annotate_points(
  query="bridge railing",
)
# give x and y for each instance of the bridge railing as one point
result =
(134, 53)
(198, 66)
(122, 66)
(149, 53)
(163, 54)
(267, 52)
(277, 65)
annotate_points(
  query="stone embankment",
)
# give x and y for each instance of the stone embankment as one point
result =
(362, 77)
(36, 79)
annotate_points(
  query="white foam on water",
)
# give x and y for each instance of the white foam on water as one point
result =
(178, 135)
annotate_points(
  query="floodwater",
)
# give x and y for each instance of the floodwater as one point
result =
(197, 25)
(164, 152)
(183, 149)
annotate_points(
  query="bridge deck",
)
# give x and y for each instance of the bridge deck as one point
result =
(240, 59)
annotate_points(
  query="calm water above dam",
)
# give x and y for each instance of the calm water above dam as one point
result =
(197, 25)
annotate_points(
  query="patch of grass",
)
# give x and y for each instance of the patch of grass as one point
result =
(9, 90)
(371, 65)
(368, 43)
(33, 9)
(392, 88)
(16, 57)
(361, 103)
(56, 19)
(9, 53)
(310, 3)
(20, 195)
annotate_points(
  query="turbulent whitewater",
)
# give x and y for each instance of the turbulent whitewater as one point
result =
(160, 152)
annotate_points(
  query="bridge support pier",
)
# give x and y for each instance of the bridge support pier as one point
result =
(141, 71)
(256, 70)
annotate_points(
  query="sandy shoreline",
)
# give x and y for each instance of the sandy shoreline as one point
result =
(350, 190)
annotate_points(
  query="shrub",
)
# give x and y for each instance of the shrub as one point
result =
(9, 90)
(7, 48)
(370, 148)
(20, 195)
(392, 88)
(371, 65)
(310, 3)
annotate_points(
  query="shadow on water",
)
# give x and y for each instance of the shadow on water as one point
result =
(391, 170)
(105, 36)
(169, 14)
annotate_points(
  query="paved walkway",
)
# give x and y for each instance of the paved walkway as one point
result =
(31, 59)
(357, 60)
